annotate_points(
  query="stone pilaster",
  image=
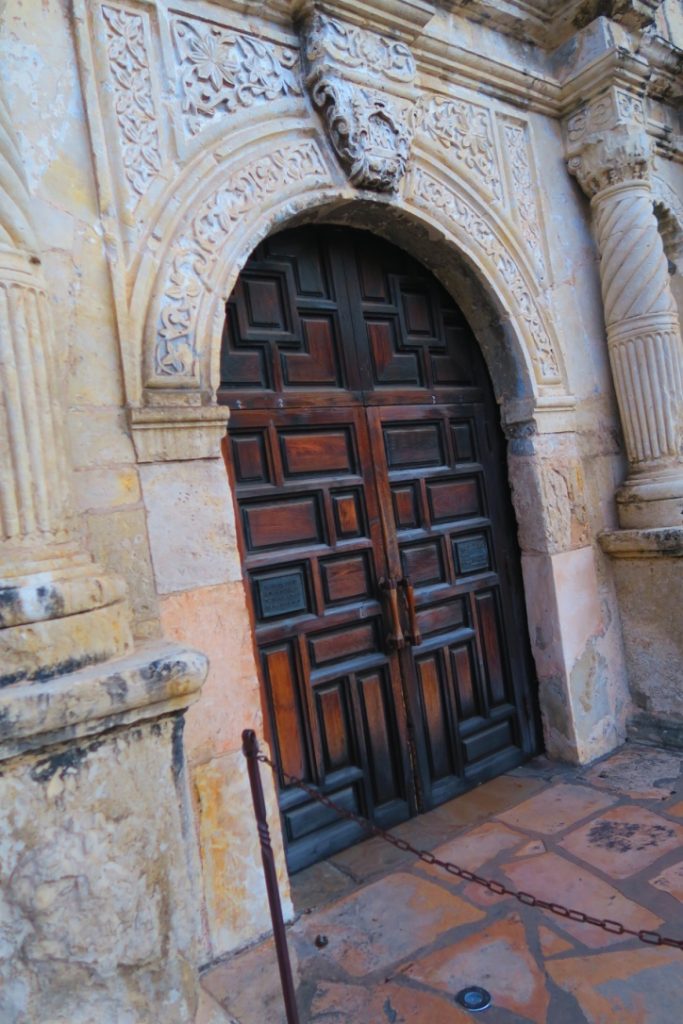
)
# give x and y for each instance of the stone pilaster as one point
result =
(610, 153)
(58, 610)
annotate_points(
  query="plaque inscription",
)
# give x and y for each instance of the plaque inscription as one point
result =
(473, 554)
(281, 595)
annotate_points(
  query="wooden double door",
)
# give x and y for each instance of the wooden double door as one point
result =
(376, 534)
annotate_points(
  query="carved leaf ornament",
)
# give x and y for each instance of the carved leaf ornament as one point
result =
(220, 71)
(370, 128)
(466, 129)
(198, 247)
(133, 98)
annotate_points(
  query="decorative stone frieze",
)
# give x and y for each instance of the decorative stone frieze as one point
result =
(197, 247)
(220, 70)
(464, 128)
(58, 611)
(426, 191)
(133, 98)
(523, 188)
(610, 153)
(362, 84)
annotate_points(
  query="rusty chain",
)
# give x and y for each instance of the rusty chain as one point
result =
(650, 938)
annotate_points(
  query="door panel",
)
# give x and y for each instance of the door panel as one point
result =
(365, 452)
(313, 560)
(460, 681)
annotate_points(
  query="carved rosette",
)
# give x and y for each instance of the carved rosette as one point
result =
(362, 84)
(609, 151)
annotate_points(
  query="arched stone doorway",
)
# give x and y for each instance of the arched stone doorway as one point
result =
(376, 532)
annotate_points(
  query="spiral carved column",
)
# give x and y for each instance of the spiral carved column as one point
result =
(610, 154)
(58, 610)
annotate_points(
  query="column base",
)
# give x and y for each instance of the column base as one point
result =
(100, 895)
(59, 613)
(652, 501)
(648, 572)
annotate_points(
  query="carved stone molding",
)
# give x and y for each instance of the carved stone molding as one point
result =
(427, 191)
(197, 246)
(607, 141)
(465, 129)
(220, 70)
(523, 189)
(133, 99)
(362, 84)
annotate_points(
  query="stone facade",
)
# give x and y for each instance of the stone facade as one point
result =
(530, 155)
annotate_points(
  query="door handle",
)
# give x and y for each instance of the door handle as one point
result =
(395, 638)
(414, 636)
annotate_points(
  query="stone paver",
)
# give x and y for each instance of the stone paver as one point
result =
(624, 840)
(498, 959)
(639, 772)
(384, 922)
(388, 1004)
(558, 880)
(403, 937)
(671, 881)
(643, 986)
(556, 809)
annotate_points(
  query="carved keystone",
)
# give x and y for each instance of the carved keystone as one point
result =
(348, 72)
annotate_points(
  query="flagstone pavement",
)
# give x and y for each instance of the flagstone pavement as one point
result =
(402, 937)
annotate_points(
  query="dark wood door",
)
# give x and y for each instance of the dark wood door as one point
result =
(376, 532)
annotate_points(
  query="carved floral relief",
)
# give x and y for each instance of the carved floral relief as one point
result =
(197, 247)
(220, 70)
(133, 97)
(518, 153)
(465, 128)
(428, 192)
(370, 128)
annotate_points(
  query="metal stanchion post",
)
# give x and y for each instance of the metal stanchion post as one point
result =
(250, 751)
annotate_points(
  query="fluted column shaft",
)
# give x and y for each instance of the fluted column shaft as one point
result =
(58, 609)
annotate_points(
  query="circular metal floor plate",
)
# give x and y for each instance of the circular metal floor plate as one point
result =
(473, 998)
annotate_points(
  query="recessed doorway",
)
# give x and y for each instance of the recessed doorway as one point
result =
(376, 533)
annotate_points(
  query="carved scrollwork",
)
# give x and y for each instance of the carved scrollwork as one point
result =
(428, 192)
(465, 128)
(199, 241)
(370, 128)
(220, 70)
(133, 98)
(524, 193)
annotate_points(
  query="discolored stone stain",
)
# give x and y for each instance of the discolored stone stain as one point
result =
(161, 670)
(66, 761)
(9, 600)
(389, 1012)
(117, 688)
(177, 752)
(51, 601)
(623, 836)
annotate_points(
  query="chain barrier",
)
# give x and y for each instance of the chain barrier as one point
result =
(650, 938)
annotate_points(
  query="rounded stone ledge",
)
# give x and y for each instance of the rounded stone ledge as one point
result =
(657, 542)
(156, 679)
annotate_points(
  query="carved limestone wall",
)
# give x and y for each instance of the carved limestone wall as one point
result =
(221, 170)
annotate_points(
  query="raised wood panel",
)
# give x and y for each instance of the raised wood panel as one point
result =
(312, 452)
(334, 726)
(453, 499)
(346, 578)
(464, 676)
(249, 458)
(344, 643)
(423, 563)
(390, 366)
(317, 366)
(349, 520)
(376, 701)
(285, 523)
(411, 447)
(406, 506)
(280, 673)
(487, 613)
(436, 718)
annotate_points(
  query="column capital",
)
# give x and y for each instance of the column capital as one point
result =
(607, 142)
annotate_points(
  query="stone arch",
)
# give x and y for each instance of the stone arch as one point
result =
(669, 213)
(274, 179)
